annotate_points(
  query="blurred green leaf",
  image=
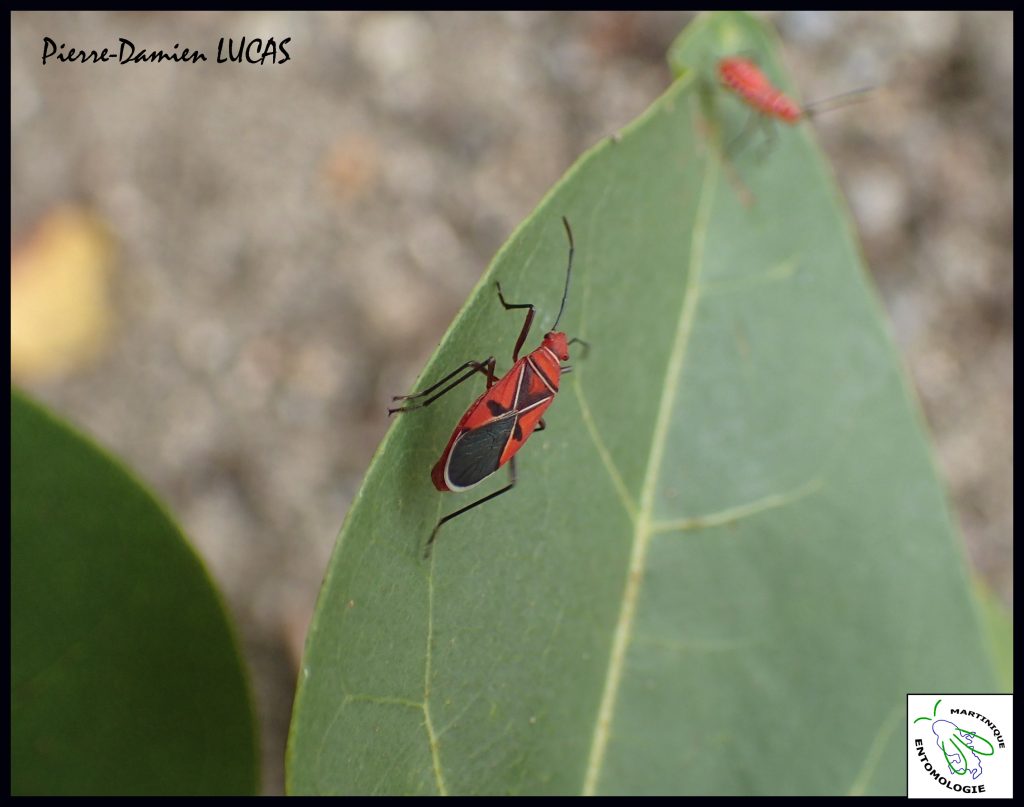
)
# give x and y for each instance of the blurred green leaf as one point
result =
(125, 676)
(728, 557)
(999, 626)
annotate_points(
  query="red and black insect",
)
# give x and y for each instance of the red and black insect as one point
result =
(501, 420)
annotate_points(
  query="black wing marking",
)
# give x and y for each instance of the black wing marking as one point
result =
(525, 397)
(535, 368)
(477, 453)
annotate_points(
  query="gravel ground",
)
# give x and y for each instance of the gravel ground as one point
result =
(293, 239)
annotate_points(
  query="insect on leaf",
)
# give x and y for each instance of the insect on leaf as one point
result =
(728, 557)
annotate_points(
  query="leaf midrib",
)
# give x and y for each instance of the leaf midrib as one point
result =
(643, 522)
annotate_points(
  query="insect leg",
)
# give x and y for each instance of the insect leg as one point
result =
(526, 325)
(728, 155)
(770, 136)
(739, 140)
(541, 426)
(471, 363)
(586, 346)
(492, 379)
(450, 516)
(486, 367)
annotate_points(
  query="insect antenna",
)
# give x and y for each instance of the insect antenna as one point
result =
(843, 99)
(568, 271)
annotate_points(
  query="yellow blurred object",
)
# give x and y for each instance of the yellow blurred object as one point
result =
(60, 308)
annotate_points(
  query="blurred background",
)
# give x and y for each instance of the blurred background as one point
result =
(224, 271)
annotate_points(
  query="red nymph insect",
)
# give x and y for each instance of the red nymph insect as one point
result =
(748, 81)
(501, 420)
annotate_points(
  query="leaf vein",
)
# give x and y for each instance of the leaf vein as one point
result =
(874, 755)
(603, 453)
(384, 700)
(432, 737)
(642, 525)
(435, 751)
(588, 417)
(779, 273)
(742, 511)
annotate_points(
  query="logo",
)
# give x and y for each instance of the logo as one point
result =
(959, 746)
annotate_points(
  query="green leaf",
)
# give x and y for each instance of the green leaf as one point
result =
(125, 676)
(728, 557)
(999, 628)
